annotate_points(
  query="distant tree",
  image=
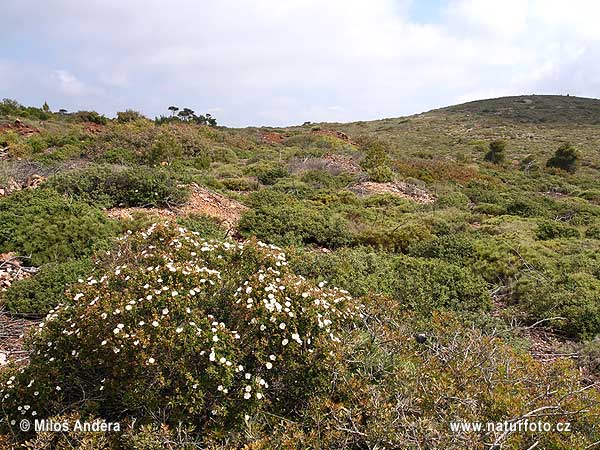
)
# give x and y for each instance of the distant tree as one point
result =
(497, 152)
(186, 113)
(62, 111)
(566, 157)
(45, 107)
(173, 110)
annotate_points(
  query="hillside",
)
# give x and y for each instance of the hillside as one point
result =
(358, 285)
(536, 109)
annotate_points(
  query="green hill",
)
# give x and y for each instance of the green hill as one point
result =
(536, 109)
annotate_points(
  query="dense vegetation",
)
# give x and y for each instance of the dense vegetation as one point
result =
(475, 228)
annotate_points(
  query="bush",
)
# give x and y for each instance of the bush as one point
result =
(552, 229)
(200, 333)
(280, 219)
(47, 227)
(90, 116)
(416, 284)
(129, 115)
(267, 173)
(119, 186)
(497, 152)
(206, 227)
(381, 174)
(573, 296)
(42, 292)
(566, 158)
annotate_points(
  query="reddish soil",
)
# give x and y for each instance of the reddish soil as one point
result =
(272, 138)
(19, 128)
(93, 128)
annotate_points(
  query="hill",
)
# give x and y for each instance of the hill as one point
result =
(536, 109)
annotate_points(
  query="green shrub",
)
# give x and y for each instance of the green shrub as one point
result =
(90, 116)
(129, 115)
(120, 186)
(552, 229)
(566, 158)
(206, 227)
(42, 292)
(280, 219)
(199, 333)
(47, 227)
(574, 297)
(267, 172)
(381, 174)
(497, 152)
(416, 284)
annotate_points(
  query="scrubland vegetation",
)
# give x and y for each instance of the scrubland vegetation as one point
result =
(375, 282)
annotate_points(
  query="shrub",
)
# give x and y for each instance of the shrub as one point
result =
(381, 174)
(267, 173)
(42, 292)
(199, 333)
(90, 116)
(47, 227)
(129, 115)
(111, 186)
(497, 152)
(280, 219)
(573, 296)
(206, 227)
(416, 284)
(552, 229)
(566, 158)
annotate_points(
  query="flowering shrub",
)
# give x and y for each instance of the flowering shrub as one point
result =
(185, 330)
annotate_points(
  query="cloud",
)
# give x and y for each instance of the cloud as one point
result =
(277, 63)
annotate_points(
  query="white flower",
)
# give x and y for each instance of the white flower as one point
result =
(174, 293)
(272, 357)
(165, 311)
(247, 395)
(103, 342)
(222, 360)
(151, 360)
(178, 329)
(269, 365)
(215, 338)
(155, 323)
(284, 342)
(259, 395)
(128, 307)
(78, 296)
(282, 326)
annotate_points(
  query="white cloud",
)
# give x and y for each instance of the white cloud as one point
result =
(283, 62)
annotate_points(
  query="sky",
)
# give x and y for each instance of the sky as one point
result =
(284, 62)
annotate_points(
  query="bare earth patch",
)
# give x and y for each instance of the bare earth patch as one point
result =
(201, 201)
(398, 188)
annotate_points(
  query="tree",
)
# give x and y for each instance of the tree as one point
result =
(45, 107)
(173, 110)
(186, 114)
(497, 152)
(566, 157)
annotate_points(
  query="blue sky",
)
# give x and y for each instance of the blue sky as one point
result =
(268, 62)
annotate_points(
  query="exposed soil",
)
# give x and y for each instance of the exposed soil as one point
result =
(397, 188)
(12, 331)
(93, 128)
(19, 127)
(272, 138)
(201, 201)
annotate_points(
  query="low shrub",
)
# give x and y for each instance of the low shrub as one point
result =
(199, 333)
(206, 227)
(47, 227)
(552, 229)
(280, 219)
(39, 294)
(110, 186)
